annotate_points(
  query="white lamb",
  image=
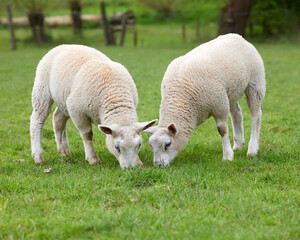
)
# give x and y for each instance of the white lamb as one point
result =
(86, 86)
(209, 81)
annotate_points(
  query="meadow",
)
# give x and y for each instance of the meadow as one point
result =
(198, 197)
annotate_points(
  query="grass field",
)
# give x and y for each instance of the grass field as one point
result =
(197, 197)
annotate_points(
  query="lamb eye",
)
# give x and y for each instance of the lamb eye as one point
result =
(140, 145)
(167, 145)
(117, 148)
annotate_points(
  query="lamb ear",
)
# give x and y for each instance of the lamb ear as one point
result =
(146, 125)
(106, 129)
(172, 128)
(150, 130)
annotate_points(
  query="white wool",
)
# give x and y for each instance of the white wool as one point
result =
(88, 87)
(209, 81)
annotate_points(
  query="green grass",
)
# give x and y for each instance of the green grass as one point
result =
(197, 197)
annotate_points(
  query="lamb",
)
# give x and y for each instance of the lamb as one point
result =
(87, 87)
(209, 81)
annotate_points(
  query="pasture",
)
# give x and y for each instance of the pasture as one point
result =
(198, 197)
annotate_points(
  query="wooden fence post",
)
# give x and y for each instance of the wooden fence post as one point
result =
(135, 37)
(112, 36)
(11, 27)
(123, 31)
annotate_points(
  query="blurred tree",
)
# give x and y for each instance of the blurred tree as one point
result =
(234, 16)
(164, 7)
(276, 16)
(182, 10)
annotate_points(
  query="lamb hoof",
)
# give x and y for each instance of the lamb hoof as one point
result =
(252, 153)
(228, 156)
(39, 160)
(139, 162)
(252, 150)
(237, 146)
(94, 161)
(68, 152)
(64, 152)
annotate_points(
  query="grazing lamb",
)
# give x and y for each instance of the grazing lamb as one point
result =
(86, 86)
(209, 81)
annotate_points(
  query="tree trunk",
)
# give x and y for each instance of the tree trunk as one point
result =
(108, 31)
(236, 14)
(36, 21)
(76, 16)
